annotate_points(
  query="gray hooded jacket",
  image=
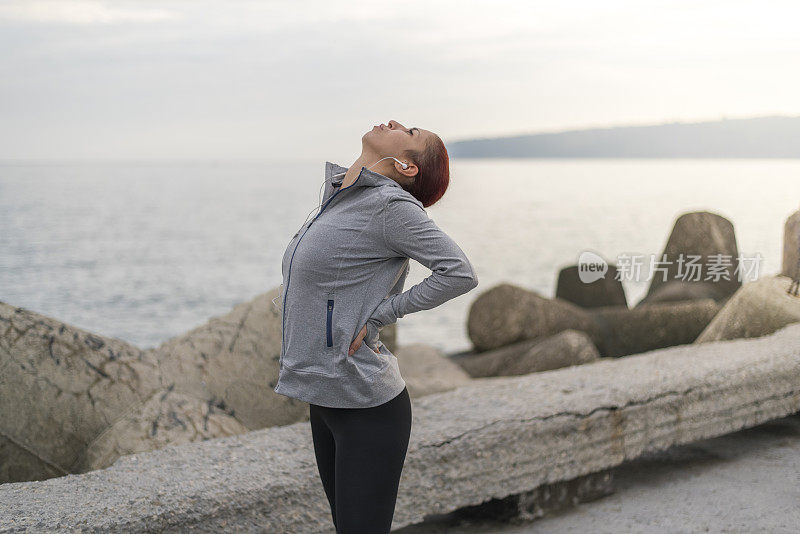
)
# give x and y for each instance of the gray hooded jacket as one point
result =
(346, 268)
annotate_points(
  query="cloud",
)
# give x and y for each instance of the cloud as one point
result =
(80, 12)
(160, 77)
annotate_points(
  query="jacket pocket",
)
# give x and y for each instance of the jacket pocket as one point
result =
(372, 338)
(367, 362)
(329, 325)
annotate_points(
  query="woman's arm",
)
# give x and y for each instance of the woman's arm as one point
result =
(409, 232)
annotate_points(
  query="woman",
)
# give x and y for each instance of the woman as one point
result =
(343, 273)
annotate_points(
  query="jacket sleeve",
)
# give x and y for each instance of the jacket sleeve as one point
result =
(409, 232)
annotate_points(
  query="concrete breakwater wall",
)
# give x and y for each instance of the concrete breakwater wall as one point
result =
(490, 438)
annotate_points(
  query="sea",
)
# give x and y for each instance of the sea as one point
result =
(144, 251)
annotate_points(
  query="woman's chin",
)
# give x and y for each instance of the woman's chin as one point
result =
(367, 141)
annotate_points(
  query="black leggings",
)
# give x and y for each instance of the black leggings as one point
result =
(360, 454)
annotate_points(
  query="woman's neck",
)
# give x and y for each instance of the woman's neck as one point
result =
(364, 160)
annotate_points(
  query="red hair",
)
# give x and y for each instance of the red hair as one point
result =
(433, 177)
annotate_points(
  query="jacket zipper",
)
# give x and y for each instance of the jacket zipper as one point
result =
(330, 317)
(289, 272)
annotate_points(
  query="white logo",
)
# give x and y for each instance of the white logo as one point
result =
(591, 267)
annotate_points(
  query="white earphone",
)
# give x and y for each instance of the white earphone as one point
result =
(402, 164)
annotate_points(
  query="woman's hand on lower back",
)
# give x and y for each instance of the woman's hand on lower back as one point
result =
(359, 339)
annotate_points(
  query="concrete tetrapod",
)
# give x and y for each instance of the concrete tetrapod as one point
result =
(568, 347)
(426, 370)
(72, 401)
(653, 326)
(605, 291)
(758, 308)
(60, 387)
(491, 438)
(700, 261)
(507, 314)
(790, 264)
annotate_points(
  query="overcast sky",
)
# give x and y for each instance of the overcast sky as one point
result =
(297, 79)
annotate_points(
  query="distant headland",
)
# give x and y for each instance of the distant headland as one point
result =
(760, 137)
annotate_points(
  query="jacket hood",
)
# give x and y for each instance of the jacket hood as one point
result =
(366, 178)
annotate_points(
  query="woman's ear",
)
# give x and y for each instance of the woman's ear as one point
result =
(409, 173)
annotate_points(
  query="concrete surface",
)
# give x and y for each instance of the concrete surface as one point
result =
(744, 482)
(491, 438)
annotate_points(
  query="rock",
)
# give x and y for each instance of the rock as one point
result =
(426, 370)
(757, 309)
(568, 347)
(652, 326)
(606, 291)
(705, 235)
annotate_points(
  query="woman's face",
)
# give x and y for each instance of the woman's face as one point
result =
(393, 139)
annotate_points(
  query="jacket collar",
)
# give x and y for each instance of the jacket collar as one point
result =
(366, 177)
